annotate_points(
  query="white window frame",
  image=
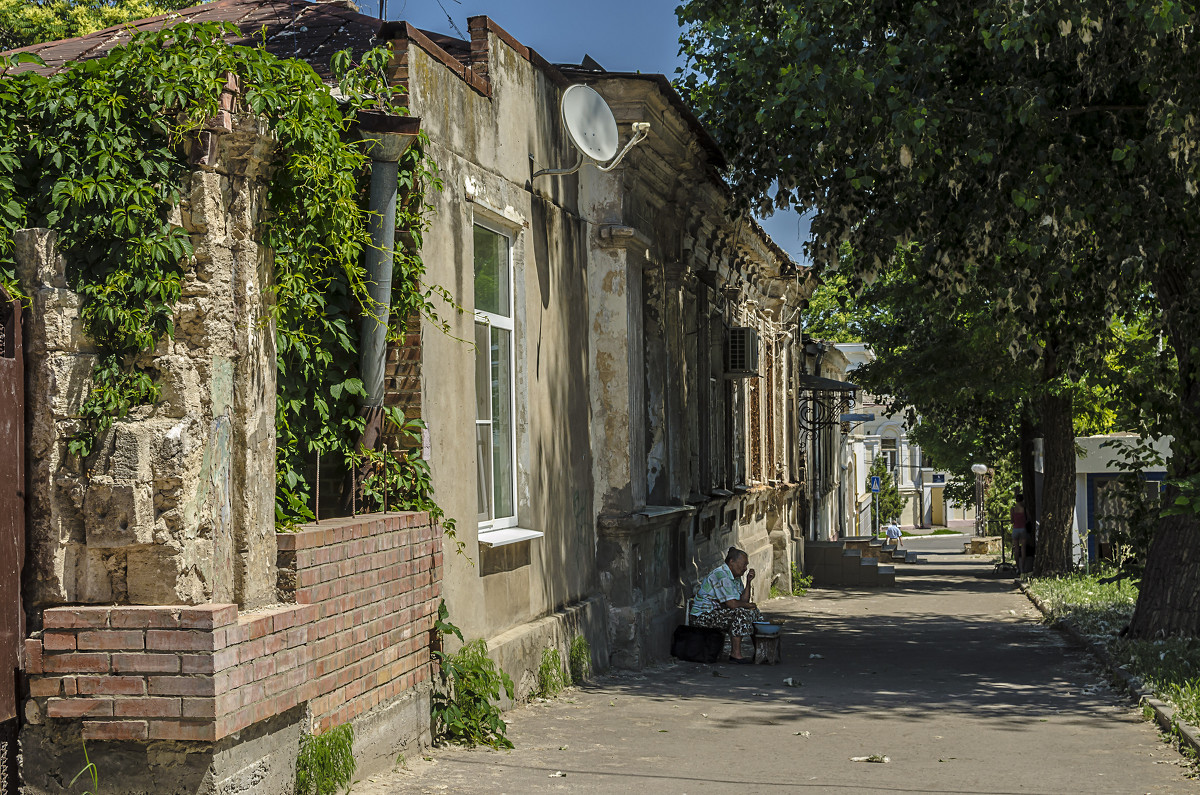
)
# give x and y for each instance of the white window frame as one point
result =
(508, 323)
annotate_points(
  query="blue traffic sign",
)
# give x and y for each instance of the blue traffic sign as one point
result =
(876, 483)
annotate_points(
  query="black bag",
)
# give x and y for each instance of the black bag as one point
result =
(697, 644)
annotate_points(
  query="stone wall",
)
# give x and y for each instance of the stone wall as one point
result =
(176, 505)
(355, 643)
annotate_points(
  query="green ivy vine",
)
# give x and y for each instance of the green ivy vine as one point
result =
(98, 153)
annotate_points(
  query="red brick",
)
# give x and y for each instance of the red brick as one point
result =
(33, 656)
(145, 663)
(44, 686)
(147, 707)
(69, 686)
(90, 662)
(274, 643)
(208, 616)
(59, 641)
(258, 626)
(111, 685)
(144, 617)
(248, 652)
(79, 707)
(297, 637)
(182, 686)
(75, 617)
(115, 730)
(199, 708)
(109, 640)
(194, 731)
(169, 640)
(208, 663)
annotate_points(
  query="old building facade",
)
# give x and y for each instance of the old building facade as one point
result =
(613, 405)
(613, 455)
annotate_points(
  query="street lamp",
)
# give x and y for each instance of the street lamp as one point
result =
(980, 522)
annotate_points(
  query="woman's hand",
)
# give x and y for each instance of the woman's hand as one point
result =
(749, 576)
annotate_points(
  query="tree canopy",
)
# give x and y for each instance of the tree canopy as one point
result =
(1044, 154)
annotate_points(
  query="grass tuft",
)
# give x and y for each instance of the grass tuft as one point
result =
(1171, 666)
(579, 659)
(551, 678)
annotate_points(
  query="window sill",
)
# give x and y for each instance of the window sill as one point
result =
(507, 535)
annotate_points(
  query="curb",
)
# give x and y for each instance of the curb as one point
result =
(1164, 714)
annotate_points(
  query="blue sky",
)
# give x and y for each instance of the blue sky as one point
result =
(621, 35)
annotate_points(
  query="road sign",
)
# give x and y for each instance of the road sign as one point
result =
(876, 483)
(858, 418)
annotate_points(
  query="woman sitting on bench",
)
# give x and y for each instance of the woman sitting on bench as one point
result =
(723, 602)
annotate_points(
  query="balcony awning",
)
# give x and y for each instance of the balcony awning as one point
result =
(816, 383)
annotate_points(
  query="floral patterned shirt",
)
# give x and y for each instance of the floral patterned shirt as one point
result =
(717, 588)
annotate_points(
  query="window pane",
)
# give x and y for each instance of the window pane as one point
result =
(502, 422)
(491, 272)
(483, 381)
(483, 455)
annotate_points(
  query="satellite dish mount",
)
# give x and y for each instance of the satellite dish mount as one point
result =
(593, 130)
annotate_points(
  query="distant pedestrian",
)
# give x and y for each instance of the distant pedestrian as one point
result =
(1020, 533)
(893, 532)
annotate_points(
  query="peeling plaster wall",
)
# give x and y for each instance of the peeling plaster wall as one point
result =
(176, 506)
(521, 597)
(630, 442)
(672, 437)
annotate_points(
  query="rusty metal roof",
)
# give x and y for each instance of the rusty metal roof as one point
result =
(311, 32)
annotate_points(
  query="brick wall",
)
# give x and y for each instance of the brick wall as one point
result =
(376, 582)
(364, 595)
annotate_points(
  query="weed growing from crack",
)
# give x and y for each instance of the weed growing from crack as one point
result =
(551, 678)
(579, 659)
(326, 762)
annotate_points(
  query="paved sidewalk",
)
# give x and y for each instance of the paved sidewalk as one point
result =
(950, 676)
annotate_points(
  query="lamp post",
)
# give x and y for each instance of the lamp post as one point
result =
(980, 522)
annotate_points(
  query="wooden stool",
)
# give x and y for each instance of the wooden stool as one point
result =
(766, 649)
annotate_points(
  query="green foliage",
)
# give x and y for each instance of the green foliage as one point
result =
(98, 153)
(90, 770)
(1038, 152)
(800, 582)
(326, 762)
(1100, 605)
(463, 707)
(25, 22)
(888, 504)
(833, 314)
(551, 677)
(579, 659)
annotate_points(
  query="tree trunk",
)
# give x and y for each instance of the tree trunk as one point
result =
(1053, 541)
(1029, 432)
(1167, 599)
(1167, 602)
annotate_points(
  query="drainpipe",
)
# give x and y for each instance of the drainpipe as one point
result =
(817, 463)
(386, 137)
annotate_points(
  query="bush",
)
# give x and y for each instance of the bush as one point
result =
(326, 763)
(800, 582)
(463, 709)
(579, 659)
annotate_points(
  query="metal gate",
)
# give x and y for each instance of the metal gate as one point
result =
(12, 531)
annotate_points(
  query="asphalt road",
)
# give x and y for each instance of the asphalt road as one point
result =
(950, 676)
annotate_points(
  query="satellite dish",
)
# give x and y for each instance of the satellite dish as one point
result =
(589, 122)
(593, 129)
